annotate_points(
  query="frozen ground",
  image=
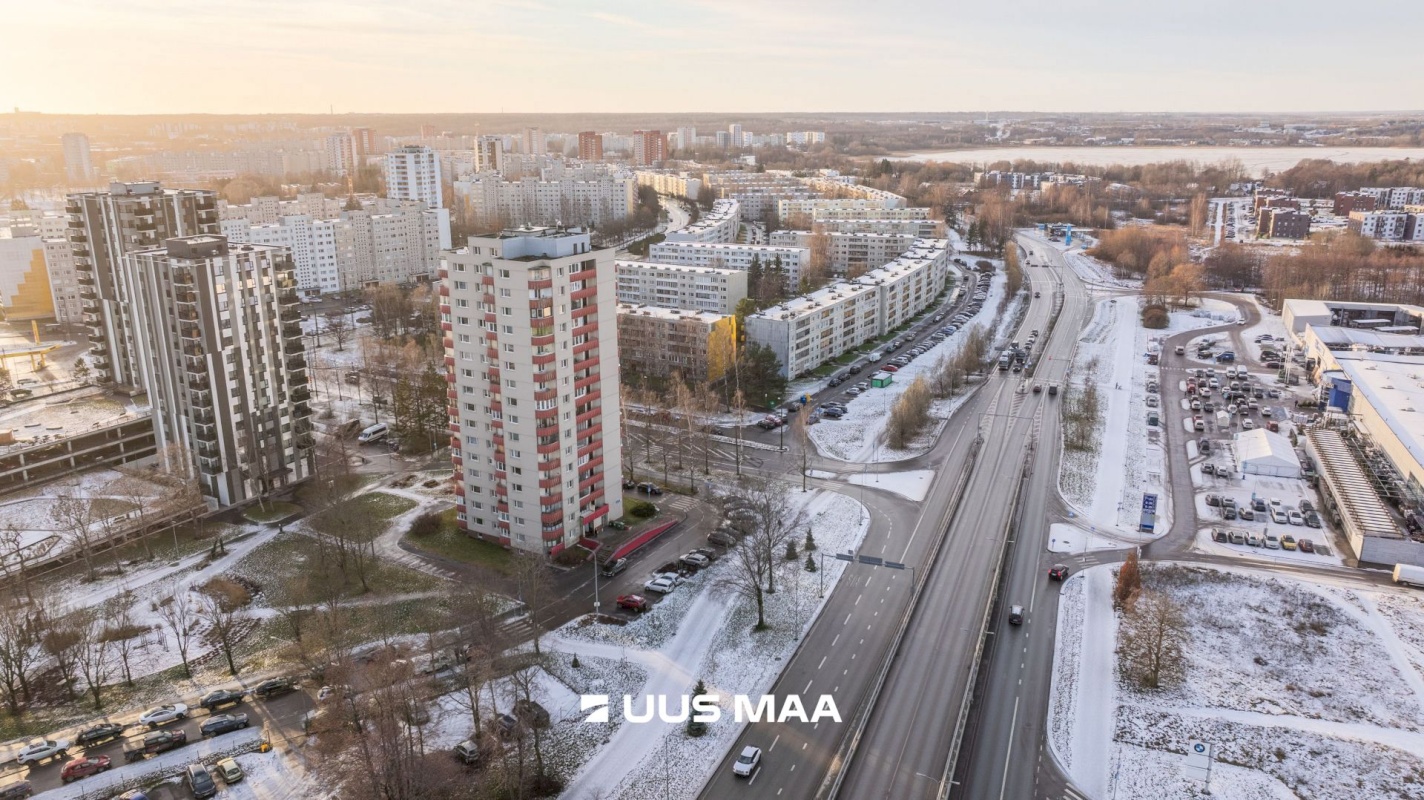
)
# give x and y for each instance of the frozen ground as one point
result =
(913, 484)
(858, 436)
(1105, 487)
(714, 643)
(1304, 691)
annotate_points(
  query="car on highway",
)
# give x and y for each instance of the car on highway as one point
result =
(162, 715)
(212, 701)
(229, 770)
(747, 762)
(200, 781)
(218, 724)
(662, 584)
(1016, 615)
(84, 767)
(1058, 572)
(633, 602)
(1037, 388)
(273, 687)
(97, 734)
(41, 749)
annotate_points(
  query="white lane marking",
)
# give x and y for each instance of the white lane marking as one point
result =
(823, 662)
(847, 620)
(837, 639)
(755, 773)
(808, 686)
(773, 743)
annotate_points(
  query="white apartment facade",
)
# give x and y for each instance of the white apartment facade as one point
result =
(689, 288)
(732, 256)
(808, 206)
(718, 225)
(677, 184)
(413, 173)
(910, 283)
(489, 199)
(1388, 226)
(836, 188)
(63, 282)
(810, 330)
(1395, 196)
(851, 251)
(833, 211)
(530, 320)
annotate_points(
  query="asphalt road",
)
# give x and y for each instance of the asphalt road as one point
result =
(903, 750)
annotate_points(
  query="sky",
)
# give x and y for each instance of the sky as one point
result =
(540, 56)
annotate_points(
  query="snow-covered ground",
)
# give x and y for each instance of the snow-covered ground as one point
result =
(1105, 487)
(913, 484)
(713, 643)
(1304, 691)
(1244, 488)
(1066, 538)
(1209, 313)
(859, 435)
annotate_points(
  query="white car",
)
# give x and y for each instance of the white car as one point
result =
(747, 762)
(662, 584)
(40, 749)
(164, 715)
(696, 560)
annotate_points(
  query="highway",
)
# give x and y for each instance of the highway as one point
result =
(903, 749)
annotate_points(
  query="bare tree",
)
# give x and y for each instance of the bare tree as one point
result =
(182, 621)
(340, 330)
(535, 589)
(1151, 640)
(19, 652)
(123, 631)
(75, 518)
(61, 638)
(767, 523)
(13, 555)
(224, 607)
(92, 653)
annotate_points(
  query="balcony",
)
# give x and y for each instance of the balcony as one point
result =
(203, 417)
(291, 315)
(190, 331)
(201, 399)
(183, 277)
(90, 318)
(194, 351)
(301, 394)
(207, 450)
(187, 315)
(84, 278)
(199, 382)
(291, 330)
(306, 441)
(288, 298)
(296, 346)
(297, 379)
(296, 363)
(78, 238)
(212, 466)
(185, 297)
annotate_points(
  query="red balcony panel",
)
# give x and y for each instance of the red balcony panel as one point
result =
(460, 489)
(444, 308)
(547, 358)
(587, 330)
(589, 448)
(547, 413)
(585, 311)
(551, 517)
(444, 288)
(595, 514)
(586, 275)
(535, 286)
(442, 273)
(454, 427)
(453, 395)
(487, 280)
(447, 326)
(449, 342)
(458, 462)
(449, 362)
(502, 507)
(586, 346)
(588, 415)
(546, 449)
(542, 341)
(584, 293)
(490, 318)
(589, 381)
(593, 463)
(589, 481)
(549, 466)
(547, 394)
(547, 484)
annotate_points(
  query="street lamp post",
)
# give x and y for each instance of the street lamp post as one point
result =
(595, 589)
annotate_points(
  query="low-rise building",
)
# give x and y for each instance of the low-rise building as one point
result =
(919, 228)
(1346, 202)
(1388, 226)
(661, 343)
(1282, 223)
(689, 288)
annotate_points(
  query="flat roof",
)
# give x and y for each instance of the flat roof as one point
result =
(659, 312)
(816, 300)
(1357, 497)
(1394, 388)
(1336, 335)
(630, 264)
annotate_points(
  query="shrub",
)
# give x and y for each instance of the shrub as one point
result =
(427, 524)
(641, 509)
(1154, 316)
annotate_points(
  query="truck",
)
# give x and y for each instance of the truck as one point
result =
(1409, 575)
(1004, 361)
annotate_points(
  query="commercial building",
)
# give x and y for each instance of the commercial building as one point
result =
(1388, 317)
(590, 146)
(25, 292)
(531, 349)
(1261, 452)
(662, 343)
(649, 148)
(104, 227)
(78, 166)
(587, 198)
(790, 260)
(218, 347)
(689, 288)
(1282, 223)
(413, 173)
(717, 225)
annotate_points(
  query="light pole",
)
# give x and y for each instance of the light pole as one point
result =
(595, 589)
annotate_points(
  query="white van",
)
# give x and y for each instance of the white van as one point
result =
(374, 433)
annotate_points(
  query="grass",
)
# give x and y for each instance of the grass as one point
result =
(275, 510)
(105, 507)
(294, 554)
(454, 544)
(378, 506)
(311, 493)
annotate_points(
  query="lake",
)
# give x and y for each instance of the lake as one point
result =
(1255, 159)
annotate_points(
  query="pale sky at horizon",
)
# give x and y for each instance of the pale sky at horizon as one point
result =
(540, 56)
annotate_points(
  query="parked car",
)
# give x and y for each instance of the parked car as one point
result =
(1204, 446)
(468, 752)
(154, 743)
(17, 791)
(98, 734)
(1272, 541)
(229, 770)
(633, 602)
(1312, 519)
(1213, 500)
(201, 782)
(84, 767)
(222, 697)
(614, 567)
(747, 762)
(1058, 572)
(218, 724)
(273, 687)
(662, 584)
(1306, 546)
(1288, 542)
(696, 560)
(722, 538)
(1295, 517)
(41, 749)
(649, 488)
(162, 715)
(1306, 506)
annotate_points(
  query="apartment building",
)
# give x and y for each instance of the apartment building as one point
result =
(340, 152)
(910, 283)
(63, 282)
(1395, 197)
(1282, 223)
(838, 188)
(689, 288)
(489, 154)
(25, 292)
(807, 206)
(920, 228)
(649, 148)
(791, 260)
(413, 173)
(385, 241)
(663, 343)
(534, 143)
(1346, 202)
(677, 184)
(591, 199)
(530, 319)
(1388, 226)
(834, 211)
(78, 165)
(718, 225)
(104, 227)
(218, 346)
(805, 138)
(849, 252)
(590, 146)
(810, 330)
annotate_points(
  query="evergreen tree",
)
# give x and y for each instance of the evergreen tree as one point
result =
(791, 554)
(810, 563)
(810, 544)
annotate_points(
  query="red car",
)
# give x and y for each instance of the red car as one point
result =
(84, 767)
(890, 368)
(632, 602)
(1058, 573)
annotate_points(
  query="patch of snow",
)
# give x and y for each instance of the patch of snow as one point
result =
(1067, 538)
(913, 484)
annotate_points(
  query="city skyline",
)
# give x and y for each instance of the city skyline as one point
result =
(748, 58)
